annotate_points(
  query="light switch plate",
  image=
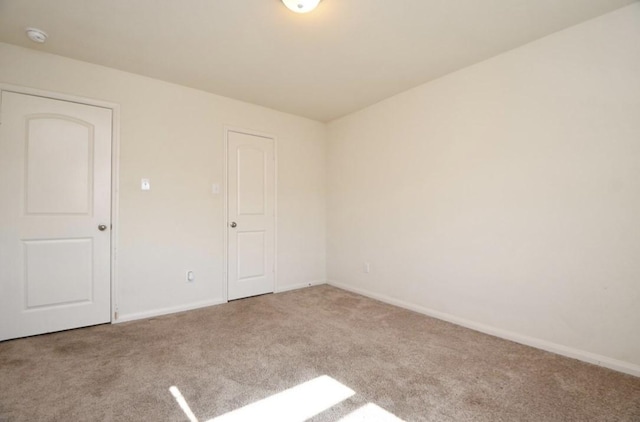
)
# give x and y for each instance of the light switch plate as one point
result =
(215, 188)
(145, 184)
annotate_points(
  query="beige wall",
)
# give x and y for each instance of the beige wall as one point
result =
(174, 136)
(505, 196)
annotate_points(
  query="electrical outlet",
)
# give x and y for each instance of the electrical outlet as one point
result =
(190, 276)
(367, 267)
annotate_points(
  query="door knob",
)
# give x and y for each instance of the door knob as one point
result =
(102, 227)
(233, 224)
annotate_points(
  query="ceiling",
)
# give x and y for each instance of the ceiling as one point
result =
(344, 56)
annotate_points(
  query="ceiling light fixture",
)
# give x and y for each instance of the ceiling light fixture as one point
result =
(301, 6)
(36, 35)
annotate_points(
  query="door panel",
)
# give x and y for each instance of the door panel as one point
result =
(58, 272)
(252, 252)
(53, 186)
(251, 199)
(251, 181)
(55, 168)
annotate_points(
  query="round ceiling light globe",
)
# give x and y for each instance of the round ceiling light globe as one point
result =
(301, 6)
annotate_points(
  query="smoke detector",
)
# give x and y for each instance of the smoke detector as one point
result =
(36, 35)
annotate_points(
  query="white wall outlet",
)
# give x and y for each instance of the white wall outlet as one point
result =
(145, 184)
(215, 188)
(190, 277)
(367, 267)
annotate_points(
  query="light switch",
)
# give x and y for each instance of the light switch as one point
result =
(215, 188)
(145, 184)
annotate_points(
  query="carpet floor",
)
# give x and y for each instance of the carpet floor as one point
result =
(223, 358)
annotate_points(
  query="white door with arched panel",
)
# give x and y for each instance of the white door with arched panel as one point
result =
(55, 215)
(251, 215)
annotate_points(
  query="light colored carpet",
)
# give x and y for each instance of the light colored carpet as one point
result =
(225, 357)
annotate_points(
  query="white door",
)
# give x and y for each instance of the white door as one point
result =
(55, 208)
(251, 215)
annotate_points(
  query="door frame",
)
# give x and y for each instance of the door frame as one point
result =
(115, 153)
(225, 217)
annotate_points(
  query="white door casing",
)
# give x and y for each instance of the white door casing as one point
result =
(250, 214)
(55, 190)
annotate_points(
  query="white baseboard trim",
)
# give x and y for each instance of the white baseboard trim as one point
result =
(166, 311)
(172, 310)
(616, 365)
(290, 287)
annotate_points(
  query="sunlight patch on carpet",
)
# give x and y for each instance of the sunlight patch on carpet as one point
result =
(370, 413)
(296, 404)
(183, 403)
